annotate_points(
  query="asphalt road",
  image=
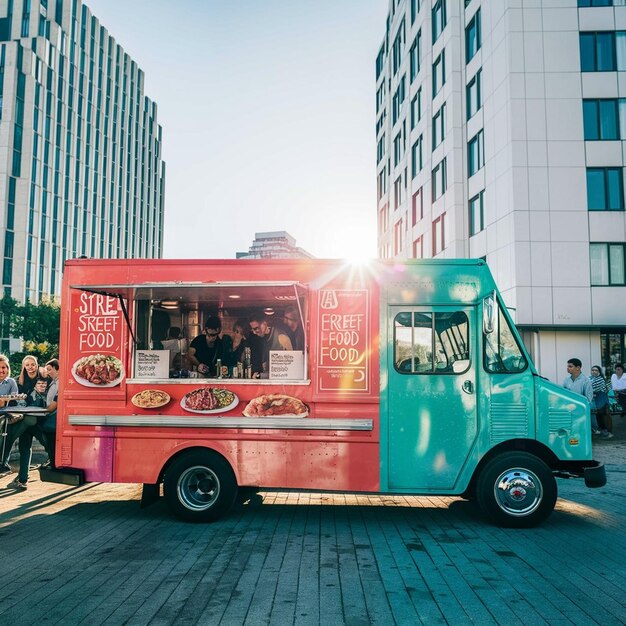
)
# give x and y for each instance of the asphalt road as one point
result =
(91, 555)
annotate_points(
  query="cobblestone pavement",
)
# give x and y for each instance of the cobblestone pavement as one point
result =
(91, 555)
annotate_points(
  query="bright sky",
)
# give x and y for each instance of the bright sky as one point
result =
(268, 116)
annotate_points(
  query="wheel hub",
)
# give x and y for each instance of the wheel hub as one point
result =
(198, 488)
(518, 492)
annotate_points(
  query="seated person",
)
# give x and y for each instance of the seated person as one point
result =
(29, 429)
(206, 349)
(273, 337)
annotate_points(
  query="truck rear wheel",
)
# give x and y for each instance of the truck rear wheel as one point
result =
(200, 486)
(517, 490)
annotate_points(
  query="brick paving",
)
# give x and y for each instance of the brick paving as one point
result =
(91, 555)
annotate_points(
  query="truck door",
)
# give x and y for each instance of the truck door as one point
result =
(432, 416)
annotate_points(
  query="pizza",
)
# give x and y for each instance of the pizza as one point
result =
(150, 399)
(276, 404)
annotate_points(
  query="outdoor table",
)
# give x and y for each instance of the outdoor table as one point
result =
(16, 410)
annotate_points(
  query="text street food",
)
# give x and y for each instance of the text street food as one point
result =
(98, 369)
(208, 399)
(150, 399)
(275, 404)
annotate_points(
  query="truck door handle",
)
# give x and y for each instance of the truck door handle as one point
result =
(468, 386)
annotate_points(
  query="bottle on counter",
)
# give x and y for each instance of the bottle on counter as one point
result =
(218, 367)
(247, 362)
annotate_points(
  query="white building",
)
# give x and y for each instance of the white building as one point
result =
(277, 244)
(80, 147)
(501, 128)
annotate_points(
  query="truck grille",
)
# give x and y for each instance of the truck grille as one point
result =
(507, 421)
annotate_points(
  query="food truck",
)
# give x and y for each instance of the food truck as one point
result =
(412, 379)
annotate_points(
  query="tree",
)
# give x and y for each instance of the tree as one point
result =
(37, 324)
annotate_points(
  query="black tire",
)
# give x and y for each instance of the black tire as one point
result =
(200, 486)
(516, 490)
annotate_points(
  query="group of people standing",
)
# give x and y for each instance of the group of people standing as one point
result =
(40, 386)
(596, 389)
(260, 333)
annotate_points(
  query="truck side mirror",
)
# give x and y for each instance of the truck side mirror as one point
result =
(489, 313)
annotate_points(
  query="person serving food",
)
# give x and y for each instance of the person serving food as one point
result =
(206, 349)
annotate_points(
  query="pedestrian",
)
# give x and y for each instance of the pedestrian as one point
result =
(618, 384)
(601, 402)
(581, 384)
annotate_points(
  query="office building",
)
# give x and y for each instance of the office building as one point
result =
(274, 245)
(501, 130)
(80, 147)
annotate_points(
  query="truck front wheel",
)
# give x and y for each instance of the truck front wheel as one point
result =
(517, 490)
(200, 486)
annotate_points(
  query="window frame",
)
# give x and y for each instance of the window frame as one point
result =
(608, 246)
(473, 85)
(472, 35)
(606, 187)
(476, 145)
(472, 221)
(435, 340)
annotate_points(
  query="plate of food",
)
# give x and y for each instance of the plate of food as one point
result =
(276, 405)
(98, 370)
(150, 399)
(14, 396)
(209, 400)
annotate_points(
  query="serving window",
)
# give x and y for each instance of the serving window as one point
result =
(222, 330)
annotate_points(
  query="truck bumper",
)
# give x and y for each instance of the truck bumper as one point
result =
(593, 472)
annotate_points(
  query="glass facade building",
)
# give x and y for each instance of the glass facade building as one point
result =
(81, 172)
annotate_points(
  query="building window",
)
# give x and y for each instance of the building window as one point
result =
(380, 149)
(438, 180)
(473, 96)
(396, 51)
(397, 192)
(475, 153)
(380, 123)
(415, 56)
(418, 248)
(439, 126)
(613, 348)
(607, 264)
(439, 234)
(439, 18)
(476, 214)
(382, 183)
(415, 9)
(417, 207)
(398, 148)
(416, 108)
(472, 37)
(380, 96)
(439, 72)
(398, 238)
(416, 157)
(604, 119)
(380, 62)
(398, 99)
(600, 3)
(605, 189)
(602, 51)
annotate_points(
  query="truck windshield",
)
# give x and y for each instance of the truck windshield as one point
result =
(502, 352)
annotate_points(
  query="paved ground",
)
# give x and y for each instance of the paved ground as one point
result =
(91, 555)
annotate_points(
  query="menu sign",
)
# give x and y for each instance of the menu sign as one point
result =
(152, 364)
(96, 345)
(286, 365)
(344, 340)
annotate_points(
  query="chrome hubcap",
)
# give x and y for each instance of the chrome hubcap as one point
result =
(518, 492)
(198, 488)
